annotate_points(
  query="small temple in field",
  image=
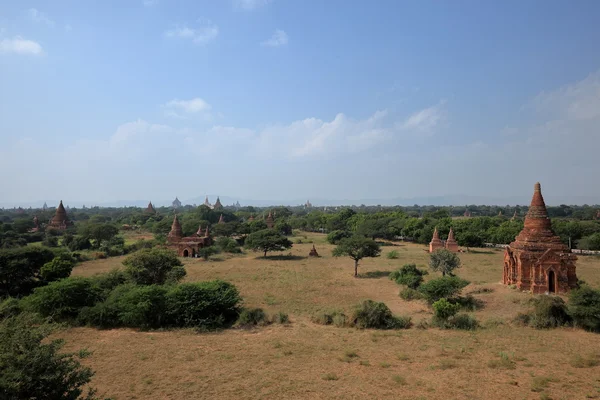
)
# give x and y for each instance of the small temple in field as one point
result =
(187, 246)
(538, 261)
(150, 209)
(60, 220)
(436, 243)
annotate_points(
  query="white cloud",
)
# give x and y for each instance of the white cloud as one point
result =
(424, 121)
(279, 38)
(18, 45)
(39, 17)
(204, 33)
(175, 108)
(249, 4)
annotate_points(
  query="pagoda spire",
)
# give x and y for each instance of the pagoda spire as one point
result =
(176, 232)
(221, 220)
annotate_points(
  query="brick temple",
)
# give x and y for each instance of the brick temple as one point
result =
(537, 260)
(60, 219)
(187, 246)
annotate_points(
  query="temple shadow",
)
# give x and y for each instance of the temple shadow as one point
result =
(374, 274)
(283, 257)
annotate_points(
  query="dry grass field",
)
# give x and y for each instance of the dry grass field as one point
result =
(306, 360)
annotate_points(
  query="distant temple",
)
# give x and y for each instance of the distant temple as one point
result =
(251, 218)
(435, 243)
(270, 221)
(36, 224)
(218, 205)
(467, 212)
(176, 203)
(190, 245)
(45, 207)
(308, 204)
(60, 219)
(537, 260)
(451, 243)
(514, 216)
(313, 252)
(221, 220)
(207, 203)
(150, 209)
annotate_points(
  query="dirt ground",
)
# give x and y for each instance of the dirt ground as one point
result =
(306, 360)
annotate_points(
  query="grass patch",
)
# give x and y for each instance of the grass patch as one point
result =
(374, 274)
(392, 255)
(585, 362)
(503, 362)
(400, 380)
(330, 377)
(540, 383)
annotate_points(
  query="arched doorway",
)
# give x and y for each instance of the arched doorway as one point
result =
(186, 253)
(551, 282)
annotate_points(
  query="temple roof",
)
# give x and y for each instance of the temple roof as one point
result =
(436, 235)
(537, 232)
(176, 230)
(150, 208)
(60, 216)
(451, 236)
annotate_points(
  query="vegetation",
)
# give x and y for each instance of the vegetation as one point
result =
(267, 240)
(372, 314)
(548, 312)
(444, 261)
(584, 308)
(357, 248)
(445, 287)
(408, 275)
(154, 266)
(33, 366)
(20, 269)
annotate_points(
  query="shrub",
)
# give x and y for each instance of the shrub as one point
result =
(62, 300)
(20, 269)
(372, 314)
(206, 252)
(584, 308)
(463, 321)
(281, 318)
(33, 368)
(445, 287)
(392, 255)
(110, 280)
(549, 312)
(468, 303)
(334, 317)
(154, 266)
(142, 306)
(60, 267)
(208, 305)
(9, 307)
(408, 275)
(334, 237)
(409, 294)
(227, 245)
(252, 317)
(444, 261)
(443, 309)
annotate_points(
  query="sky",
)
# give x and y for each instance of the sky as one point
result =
(298, 99)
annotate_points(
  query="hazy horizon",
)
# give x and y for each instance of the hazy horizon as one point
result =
(288, 100)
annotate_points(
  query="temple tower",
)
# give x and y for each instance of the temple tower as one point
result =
(218, 205)
(451, 243)
(176, 203)
(150, 209)
(270, 221)
(60, 219)
(435, 243)
(221, 220)
(176, 232)
(537, 260)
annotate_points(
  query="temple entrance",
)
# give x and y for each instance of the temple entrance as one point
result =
(551, 282)
(186, 253)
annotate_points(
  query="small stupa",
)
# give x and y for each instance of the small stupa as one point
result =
(251, 218)
(218, 205)
(207, 203)
(60, 219)
(435, 243)
(269, 221)
(150, 209)
(221, 220)
(313, 252)
(451, 243)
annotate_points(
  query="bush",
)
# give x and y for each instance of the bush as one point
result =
(227, 245)
(33, 368)
(334, 237)
(549, 312)
(208, 305)
(60, 267)
(409, 294)
(392, 255)
(9, 307)
(444, 261)
(372, 314)
(443, 309)
(445, 287)
(62, 300)
(408, 275)
(154, 266)
(252, 317)
(333, 317)
(281, 318)
(20, 269)
(584, 308)
(142, 306)
(458, 321)
(110, 280)
(206, 252)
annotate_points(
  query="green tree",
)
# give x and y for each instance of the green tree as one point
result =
(444, 261)
(154, 266)
(357, 248)
(20, 269)
(34, 368)
(60, 267)
(267, 240)
(408, 275)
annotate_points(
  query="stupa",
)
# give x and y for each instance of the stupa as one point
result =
(60, 219)
(435, 243)
(221, 220)
(150, 209)
(187, 246)
(269, 221)
(451, 243)
(313, 252)
(218, 205)
(176, 231)
(467, 213)
(537, 260)
(176, 203)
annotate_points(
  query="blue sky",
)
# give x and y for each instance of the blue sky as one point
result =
(283, 99)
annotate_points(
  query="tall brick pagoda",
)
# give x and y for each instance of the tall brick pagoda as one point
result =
(187, 246)
(218, 205)
(451, 243)
(537, 260)
(176, 232)
(150, 209)
(60, 219)
(435, 243)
